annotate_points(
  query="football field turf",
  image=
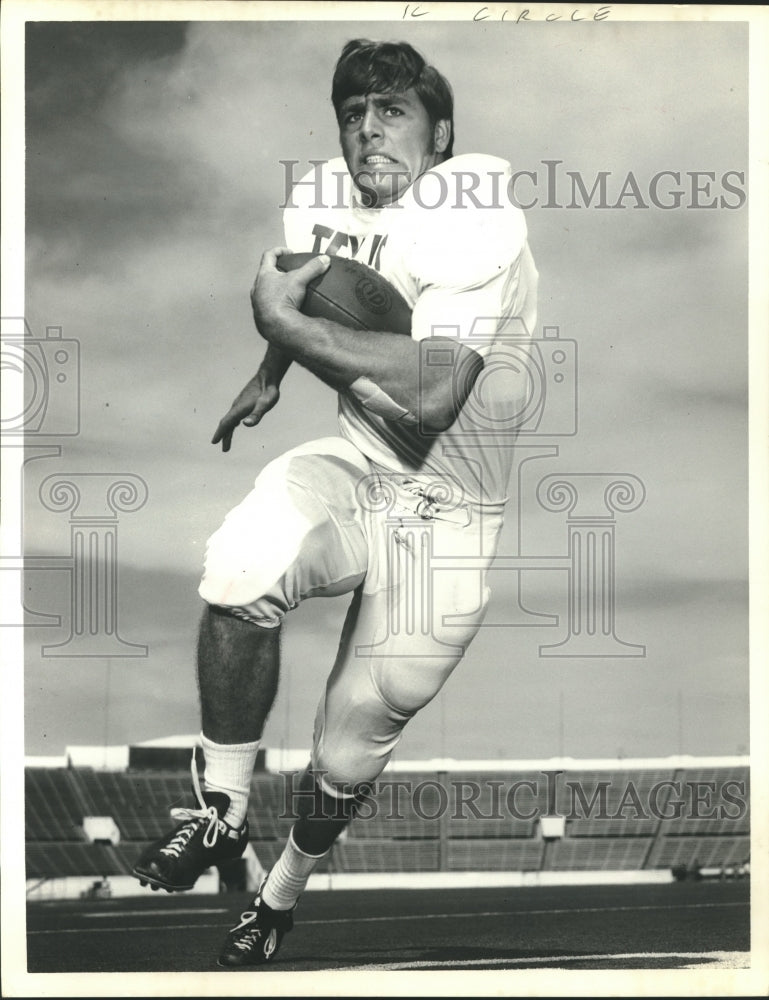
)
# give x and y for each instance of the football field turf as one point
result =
(615, 927)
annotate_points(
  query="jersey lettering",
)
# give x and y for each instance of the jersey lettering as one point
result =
(341, 240)
(338, 240)
(375, 256)
(320, 233)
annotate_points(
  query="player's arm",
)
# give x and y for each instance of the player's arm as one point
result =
(258, 396)
(388, 369)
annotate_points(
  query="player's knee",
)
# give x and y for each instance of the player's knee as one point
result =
(263, 612)
(238, 590)
(349, 766)
(457, 616)
(408, 682)
(237, 579)
(355, 734)
(247, 615)
(318, 798)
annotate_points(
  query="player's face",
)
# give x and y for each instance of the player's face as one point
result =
(387, 142)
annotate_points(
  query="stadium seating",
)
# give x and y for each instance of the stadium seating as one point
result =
(421, 821)
(386, 856)
(699, 852)
(269, 808)
(403, 807)
(613, 804)
(495, 804)
(139, 803)
(495, 855)
(711, 801)
(54, 811)
(65, 859)
(598, 854)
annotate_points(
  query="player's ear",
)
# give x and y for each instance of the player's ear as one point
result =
(442, 135)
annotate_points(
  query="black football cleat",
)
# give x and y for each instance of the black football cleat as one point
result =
(177, 860)
(257, 938)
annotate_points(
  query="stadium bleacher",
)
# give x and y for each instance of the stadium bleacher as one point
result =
(683, 817)
(614, 804)
(598, 854)
(386, 856)
(495, 855)
(706, 822)
(712, 801)
(403, 807)
(64, 859)
(495, 804)
(269, 808)
(700, 852)
(54, 811)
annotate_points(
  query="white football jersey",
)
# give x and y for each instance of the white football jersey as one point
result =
(456, 248)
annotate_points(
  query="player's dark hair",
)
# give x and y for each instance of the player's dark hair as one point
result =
(392, 67)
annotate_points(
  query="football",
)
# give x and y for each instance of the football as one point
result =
(353, 295)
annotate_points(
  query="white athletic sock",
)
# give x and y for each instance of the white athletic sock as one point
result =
(287, 880)
(229, 767)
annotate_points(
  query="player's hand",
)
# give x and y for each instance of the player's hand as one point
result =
(250, 405)
(276, 294)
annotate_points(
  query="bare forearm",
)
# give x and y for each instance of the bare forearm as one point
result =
(257, 397)
(394, 364)
(387, 373)
(275, 364)
(339, 355)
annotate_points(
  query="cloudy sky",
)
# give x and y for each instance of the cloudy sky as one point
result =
(153, 182)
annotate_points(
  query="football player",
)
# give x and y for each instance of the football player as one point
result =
(411, 476)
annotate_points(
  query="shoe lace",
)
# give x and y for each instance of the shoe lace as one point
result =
(250, 935)
(194, 819)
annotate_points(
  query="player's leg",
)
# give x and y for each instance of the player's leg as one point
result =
(356, 730)
(238, 668)
(297, 534)
(398, 648)
(322, 814)
(422, 603)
